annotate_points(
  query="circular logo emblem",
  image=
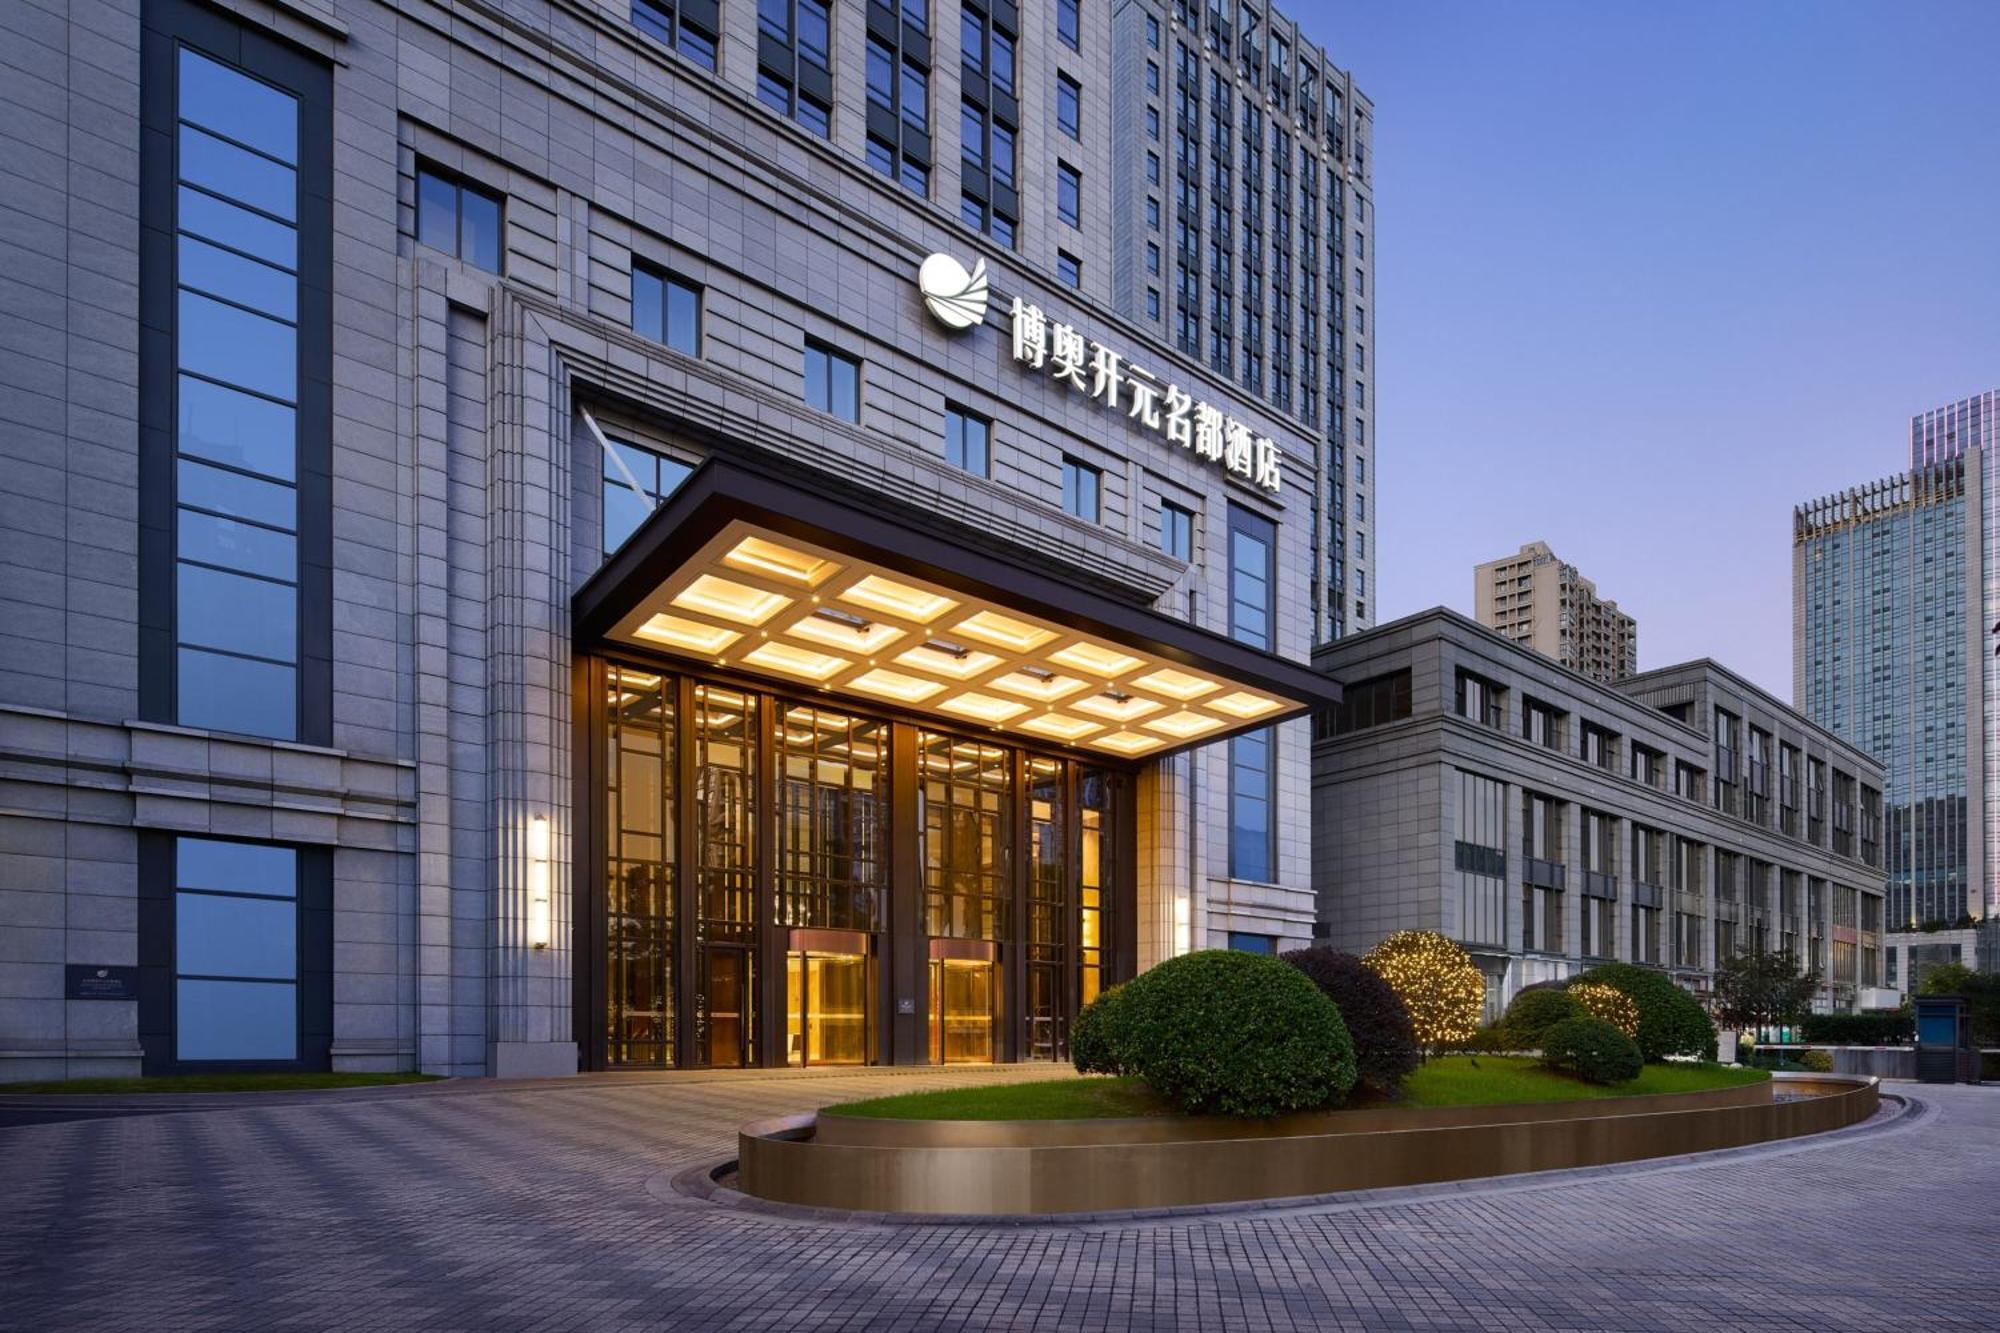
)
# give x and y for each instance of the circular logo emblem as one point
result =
(956, 298)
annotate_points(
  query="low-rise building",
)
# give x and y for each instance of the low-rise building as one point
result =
(1548, 822)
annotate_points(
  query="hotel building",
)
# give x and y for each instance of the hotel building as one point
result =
(1548, 822)
(644, 533)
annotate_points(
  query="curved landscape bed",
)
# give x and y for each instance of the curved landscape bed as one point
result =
(1023, 1167)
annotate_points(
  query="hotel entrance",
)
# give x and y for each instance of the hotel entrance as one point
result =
(847, 792)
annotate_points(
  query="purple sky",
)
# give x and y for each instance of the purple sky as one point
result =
(1651, 274)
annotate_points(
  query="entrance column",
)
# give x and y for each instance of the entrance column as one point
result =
(906, 966)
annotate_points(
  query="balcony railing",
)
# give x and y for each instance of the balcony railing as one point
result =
(1543, 874)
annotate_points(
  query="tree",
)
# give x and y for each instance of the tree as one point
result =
(1763, 987)
(1437, 981)
(1944, 979)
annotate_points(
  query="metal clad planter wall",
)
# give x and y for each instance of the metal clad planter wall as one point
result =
(1038, 1172)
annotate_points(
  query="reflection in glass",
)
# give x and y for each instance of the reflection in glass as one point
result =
(827, 1008)
(236, 1020)
(833, 796)
(225, 693)
(221, 935)
(235, 950)
(639, 882)
(962, 1011)
(966, 796)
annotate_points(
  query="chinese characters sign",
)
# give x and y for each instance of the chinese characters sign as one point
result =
(1093, 369)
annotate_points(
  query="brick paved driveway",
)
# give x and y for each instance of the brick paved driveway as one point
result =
(529, 1209)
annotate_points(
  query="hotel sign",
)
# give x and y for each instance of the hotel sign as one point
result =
(958, 300)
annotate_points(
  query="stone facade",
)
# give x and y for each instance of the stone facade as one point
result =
(1388, 786)
(466, 493)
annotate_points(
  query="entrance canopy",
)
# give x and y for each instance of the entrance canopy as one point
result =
(745, 572)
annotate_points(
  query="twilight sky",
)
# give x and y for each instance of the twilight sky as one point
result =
(1650, 274)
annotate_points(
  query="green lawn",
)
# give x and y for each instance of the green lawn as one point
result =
(1450, 1081)
(218, 1083)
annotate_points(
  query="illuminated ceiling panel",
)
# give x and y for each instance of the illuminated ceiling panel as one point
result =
(752, 598)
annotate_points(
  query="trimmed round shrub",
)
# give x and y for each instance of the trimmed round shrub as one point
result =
(1819, 1062)
(1225, 1033)
(1614, 1006)
(1533, 1012)
(1097, 1035)
(1385, 1043)
(1671, 1021)
(1436, 980)
(1591, 1049)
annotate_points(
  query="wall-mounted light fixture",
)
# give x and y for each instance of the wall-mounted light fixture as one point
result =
(538, 881)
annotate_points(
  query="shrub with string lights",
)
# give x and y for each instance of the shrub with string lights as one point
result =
(1609, 1003)
(1438, 983)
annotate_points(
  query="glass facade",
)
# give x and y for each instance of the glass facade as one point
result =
(755, 851)
(236, 952)
(1886, 665)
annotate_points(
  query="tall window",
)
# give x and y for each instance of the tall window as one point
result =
(1479, 858)
(655, 476)
(833, 381)
(242, 392)
(793, 68)
(833, 800)
(967, 798)
(1176, 530)
(1252, 786)
(989, 122)
(967, 440)
(1082, 490)
(1253, 555)
(666, 309)
(1069, 194)
(1069, 106)
(1069, 269)
(459, 219)
(898, 115)
(641, 894)
(688, 26)
(1253, 541)
(1069, 23)
(236, 952)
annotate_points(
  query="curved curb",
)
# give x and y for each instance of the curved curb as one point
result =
(1899, 1113)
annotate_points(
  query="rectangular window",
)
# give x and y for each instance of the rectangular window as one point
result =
(681, 26)
(1069, 106)
(241, 392)
(1374, 702)
(1481, 700)
(1069, 194)
(1253, 572)
(1540, 724)
(236, 952)
(967, 437)
(1069, 24)
(1082, 490)
(1176, 530)
(459, 219)
(636, 481)
(1252, 791)
(1244, 941)
(1479, 857)
(666, 309)
(1069, 268)
(833, 381)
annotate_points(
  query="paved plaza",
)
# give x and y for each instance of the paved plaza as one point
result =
(530, 1207)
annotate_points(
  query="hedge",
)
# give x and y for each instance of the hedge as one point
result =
(1671, 1021)
(1220, 1032)
(1385, 1042)
(1593, 1050)
(1871, 1027)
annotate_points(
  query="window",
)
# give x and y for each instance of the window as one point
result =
(1152, 171)
(1253, 547)
(793, 75)
(966, 439)
(1152, 76)
(1481, 700)
(1688, 781)
(231, 292)
(1153, 258)
(1176, 530)
(1541, 724)
(1152, 213)
(1069, 268)
(1069, 24)
(1600, 748)
(688, 26)
(1152, 32)
(1374, 702)
(1251, 778)
(1082, 489)
(655, 477)
(1244, 941)
(1069, 194)
(1069, 106)
(898, 143)
(987, 131)
(833, 381)
(1152, 303)
(666, 309)
(458, 219)
(1153, 122)
(1479, 858)
(1648, 765)
(236, 952)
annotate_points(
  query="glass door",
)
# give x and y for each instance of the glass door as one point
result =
(827, 1008)
(728, 981)
(962, 1009)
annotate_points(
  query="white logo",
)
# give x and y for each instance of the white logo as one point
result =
(956, 297)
